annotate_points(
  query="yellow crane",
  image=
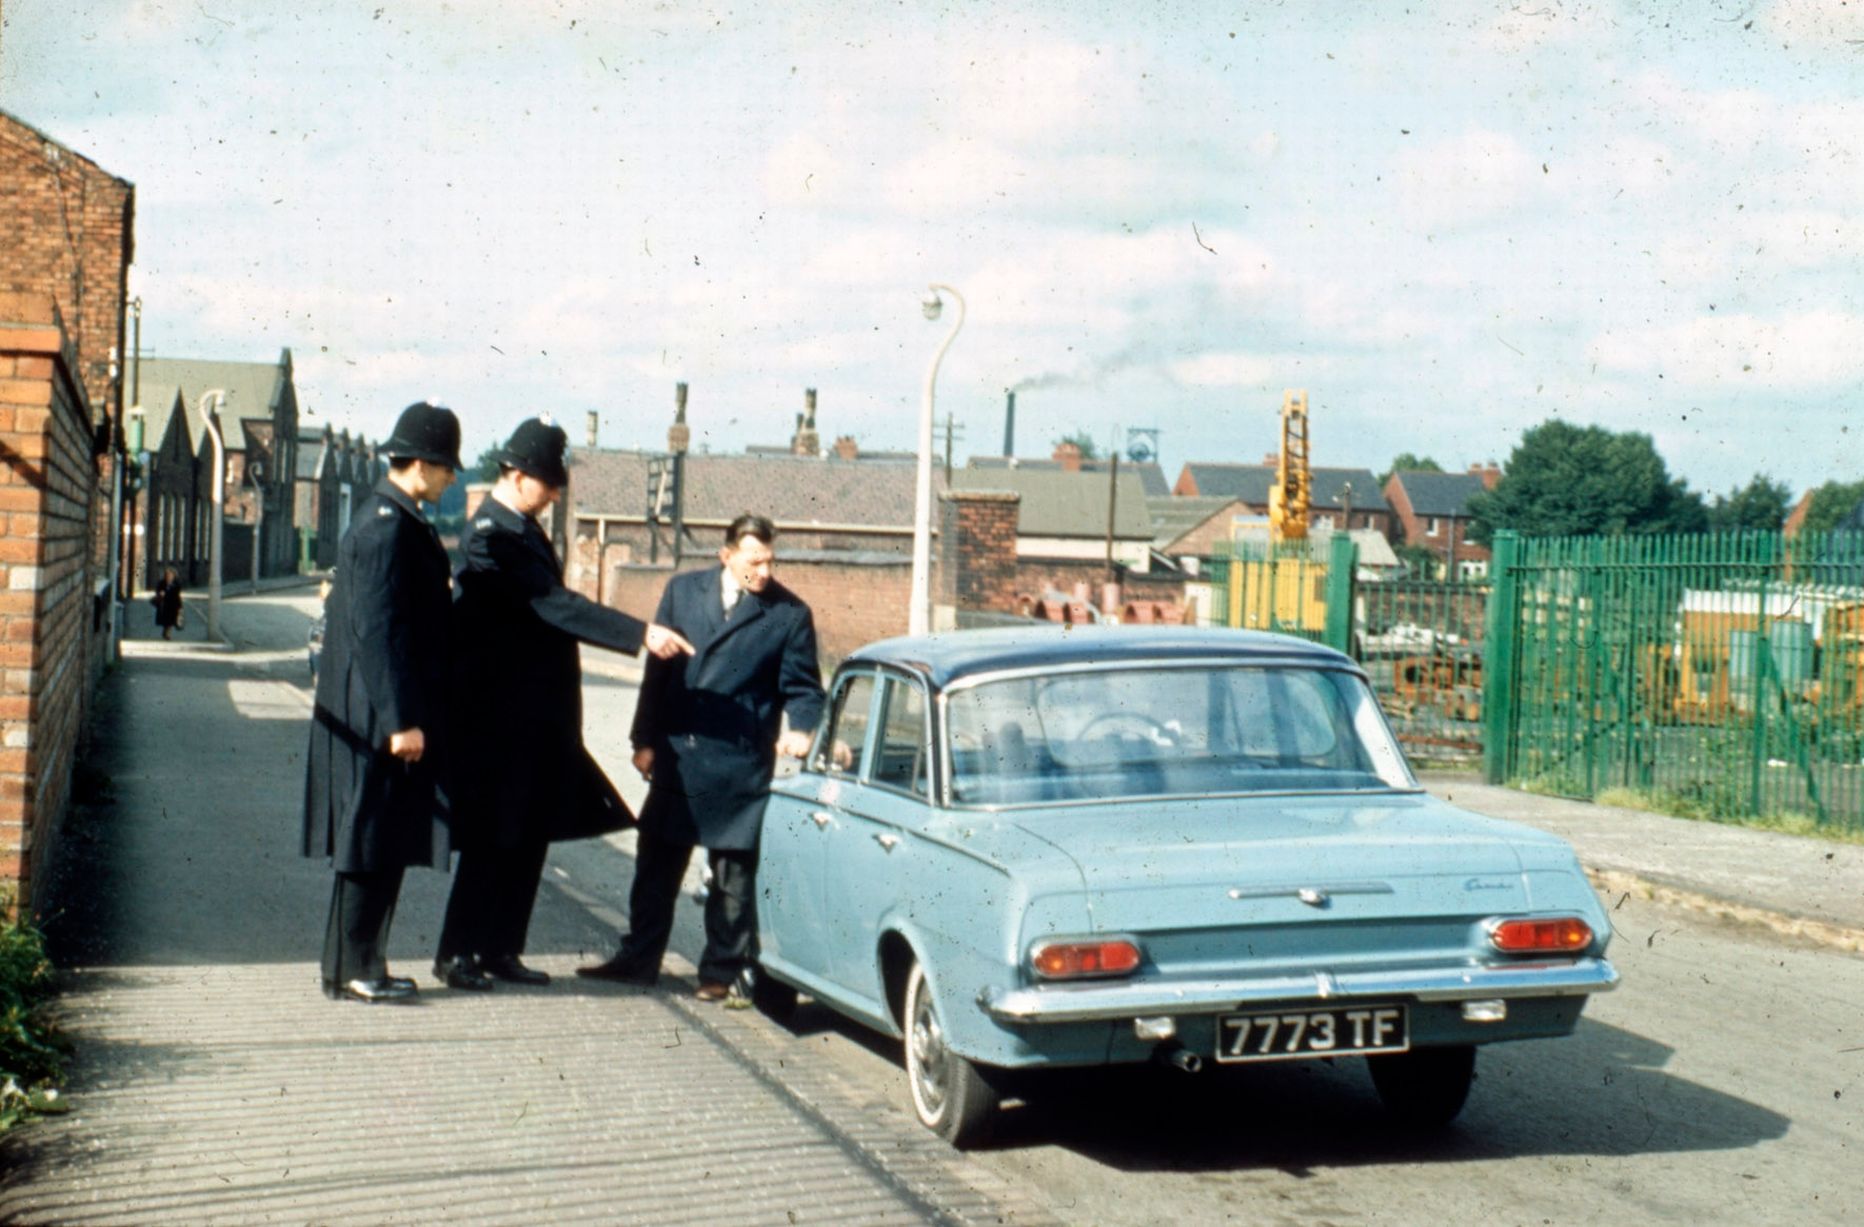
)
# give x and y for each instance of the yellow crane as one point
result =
(1288, 500)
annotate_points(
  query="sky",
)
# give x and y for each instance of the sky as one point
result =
(1447, 220)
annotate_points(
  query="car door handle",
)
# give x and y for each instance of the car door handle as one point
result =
(822, 817)
(887, 841)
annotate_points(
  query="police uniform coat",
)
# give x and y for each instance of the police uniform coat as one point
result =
(520, 772)
(712, 718)
(384, 670)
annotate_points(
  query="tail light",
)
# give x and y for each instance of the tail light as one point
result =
(1084, 959)
(1541, 935)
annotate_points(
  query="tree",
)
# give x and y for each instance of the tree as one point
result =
(486, 467)
(1420, 560)
(1405, 462)
(1565, 480)
(1760, 505)
(1831, 503)
(1090, 450)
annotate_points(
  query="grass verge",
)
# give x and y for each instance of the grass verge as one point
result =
(1677, 806)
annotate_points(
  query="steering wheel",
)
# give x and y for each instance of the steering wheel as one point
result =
(1152, 730)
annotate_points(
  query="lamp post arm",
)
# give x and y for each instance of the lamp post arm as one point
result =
(919, 616)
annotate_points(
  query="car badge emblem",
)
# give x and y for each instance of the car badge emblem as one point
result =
(1312, 897)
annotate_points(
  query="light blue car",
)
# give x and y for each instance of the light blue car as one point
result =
(1055, 847)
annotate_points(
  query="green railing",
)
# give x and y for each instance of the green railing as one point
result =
(1421, 642)
(1715, 674)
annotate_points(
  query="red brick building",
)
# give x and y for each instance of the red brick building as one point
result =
(65, 248)
(1432, 510)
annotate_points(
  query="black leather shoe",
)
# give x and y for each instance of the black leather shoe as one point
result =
(621, 971)
(507, 967)
(462, 972)
(404, 982)
(373, 991)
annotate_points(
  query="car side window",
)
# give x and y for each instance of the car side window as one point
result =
(901, 759)
(839, 750)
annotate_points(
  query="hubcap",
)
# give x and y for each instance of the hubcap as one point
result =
(928, 1052)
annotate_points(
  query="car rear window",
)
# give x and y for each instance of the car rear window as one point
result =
(1188, 731)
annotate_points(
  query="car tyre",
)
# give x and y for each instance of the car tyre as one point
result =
(950, 1095)
(1426, 1087)
(773, 998)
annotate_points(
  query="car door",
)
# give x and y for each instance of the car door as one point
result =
(871, 852)
(792, 928)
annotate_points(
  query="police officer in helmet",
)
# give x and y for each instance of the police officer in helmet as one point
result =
(372, 801)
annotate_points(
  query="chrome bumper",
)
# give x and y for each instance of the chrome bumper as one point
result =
(1114, 1000)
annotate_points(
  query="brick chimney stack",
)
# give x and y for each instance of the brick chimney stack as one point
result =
(845, 448)
(1068, 455)
(806, 442)
(1489, 472)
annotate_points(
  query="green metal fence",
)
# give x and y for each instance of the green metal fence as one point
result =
(1421, 642)
(1719, 674)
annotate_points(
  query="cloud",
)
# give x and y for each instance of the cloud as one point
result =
(1476, 177)
(1247, 370)
(1808, 350)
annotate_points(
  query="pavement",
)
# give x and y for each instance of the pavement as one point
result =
(214, 1083)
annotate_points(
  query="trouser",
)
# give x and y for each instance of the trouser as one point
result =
(489, 909)
(730, 907)
(362, 906)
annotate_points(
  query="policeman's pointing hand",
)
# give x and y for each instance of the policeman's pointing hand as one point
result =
(666, 643)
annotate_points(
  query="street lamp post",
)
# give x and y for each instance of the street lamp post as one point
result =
(256, 472)
(919, 617)
(210, 403)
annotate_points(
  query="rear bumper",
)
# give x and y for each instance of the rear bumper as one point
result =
(1116, 1000)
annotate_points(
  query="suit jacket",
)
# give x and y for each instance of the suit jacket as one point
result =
(384, 670)
(712, 718)
(519, 768)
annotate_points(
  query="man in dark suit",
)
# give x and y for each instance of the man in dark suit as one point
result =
(521, 777)
(371, 802)
(706, 736)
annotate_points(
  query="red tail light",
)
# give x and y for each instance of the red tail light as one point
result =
(1542, 935)
(1076, 960)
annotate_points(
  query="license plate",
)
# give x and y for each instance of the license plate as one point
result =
(1291, 1035)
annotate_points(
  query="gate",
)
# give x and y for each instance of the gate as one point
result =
(1283, 587)
(1421, 642)
(1716, 674)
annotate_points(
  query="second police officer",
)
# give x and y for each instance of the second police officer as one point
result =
(521, 777)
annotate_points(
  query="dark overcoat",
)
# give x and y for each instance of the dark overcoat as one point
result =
(386, 632)
(712, 718)
(520, 771)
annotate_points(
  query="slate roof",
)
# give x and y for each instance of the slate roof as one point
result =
(314, 445)
(794, 491)
(158, 408)
(1438, 494)
(1149, 472)
(1056, 503)
(252, 388)
(1173, 516)
(1251, 483)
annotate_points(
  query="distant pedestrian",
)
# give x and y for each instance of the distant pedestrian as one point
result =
(167, 602)
(371, 801)
(521, 777)
(706, 737)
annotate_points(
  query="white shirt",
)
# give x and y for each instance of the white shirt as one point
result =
(729, 588)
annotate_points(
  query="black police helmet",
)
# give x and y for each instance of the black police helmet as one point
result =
(425, 432)
(537, 448)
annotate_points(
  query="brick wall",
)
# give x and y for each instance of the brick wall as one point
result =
(978, 567)
(46, 616)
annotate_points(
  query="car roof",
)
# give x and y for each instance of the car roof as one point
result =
(949, 655)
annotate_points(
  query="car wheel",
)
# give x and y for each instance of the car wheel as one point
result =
(950, 1096)
(772, 997)
(1426, 1087)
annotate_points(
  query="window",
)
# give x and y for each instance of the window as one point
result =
(1435, 529)
(838, 752)
(901, 761)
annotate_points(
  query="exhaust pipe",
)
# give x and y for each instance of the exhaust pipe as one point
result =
(1179, 1057)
